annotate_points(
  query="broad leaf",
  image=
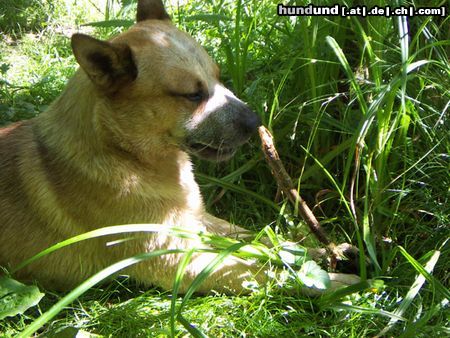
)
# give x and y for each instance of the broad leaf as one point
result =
(313, 276)
(16, 298)
(292, 254)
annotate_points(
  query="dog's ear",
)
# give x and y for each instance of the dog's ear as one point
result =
(108, 65)
(151, 9)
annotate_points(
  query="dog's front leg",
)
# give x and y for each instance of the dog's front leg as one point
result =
(229, 276)
(221, 227)
(224, 228)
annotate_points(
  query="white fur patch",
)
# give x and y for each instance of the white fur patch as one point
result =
(219, 98)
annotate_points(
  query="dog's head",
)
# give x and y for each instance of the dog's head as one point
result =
(159, 90)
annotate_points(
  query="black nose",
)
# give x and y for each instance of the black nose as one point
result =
(248, 121)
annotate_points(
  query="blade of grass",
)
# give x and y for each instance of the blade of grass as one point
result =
(207, 271)
(368, 235)
(411, 330)
(425, 272)
(176, 286)
(191, 328)
(118, 229)
(415, 287)
(236, 188)
(362, 257)
(86, 285)
(339, 149)
(348, 71)
(369, 311)
(330, 299)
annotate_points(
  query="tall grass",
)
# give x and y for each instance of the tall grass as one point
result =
(359, 110)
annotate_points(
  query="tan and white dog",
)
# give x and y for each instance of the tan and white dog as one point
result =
(113, 149)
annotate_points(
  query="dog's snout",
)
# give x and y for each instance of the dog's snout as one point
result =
(248, 121)
(224, 124)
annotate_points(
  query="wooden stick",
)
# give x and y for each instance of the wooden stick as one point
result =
(344, 252)
(285, 183)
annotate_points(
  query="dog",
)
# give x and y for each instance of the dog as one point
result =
(115, 149)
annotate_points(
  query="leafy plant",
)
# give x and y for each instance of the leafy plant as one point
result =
(16, 298)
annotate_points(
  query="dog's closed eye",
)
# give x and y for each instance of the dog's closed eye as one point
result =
(195, 97)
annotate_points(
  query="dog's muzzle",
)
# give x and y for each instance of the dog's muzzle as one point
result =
(215, 134)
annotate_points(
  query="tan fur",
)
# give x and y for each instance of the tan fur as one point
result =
(112, 150)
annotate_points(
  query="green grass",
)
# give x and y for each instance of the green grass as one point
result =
(359, 110)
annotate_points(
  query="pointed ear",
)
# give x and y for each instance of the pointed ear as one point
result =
(108, 65)
(151, 9)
